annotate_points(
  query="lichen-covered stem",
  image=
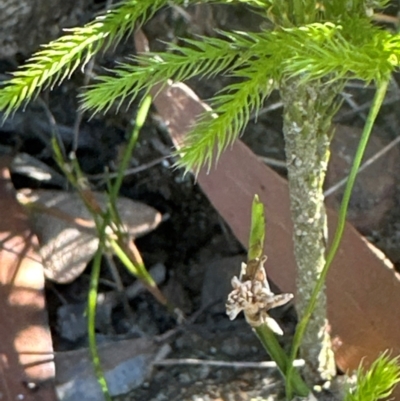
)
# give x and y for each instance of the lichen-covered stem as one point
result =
(308, 111)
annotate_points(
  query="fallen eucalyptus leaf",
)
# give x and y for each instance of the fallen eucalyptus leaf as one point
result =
(31, 167)
(66, 229)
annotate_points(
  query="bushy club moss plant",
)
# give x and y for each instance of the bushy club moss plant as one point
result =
(314, 48)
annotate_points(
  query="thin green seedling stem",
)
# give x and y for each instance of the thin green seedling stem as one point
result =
(274, 349)
(140, 120)
(264, 333)
(302, 326)
(80, 180)
(75, 176)
(91, 316)
(113, 189)
(137, 270)
(60, 159)
(257, 230)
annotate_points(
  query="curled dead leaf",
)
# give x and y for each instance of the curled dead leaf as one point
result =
(66, 229)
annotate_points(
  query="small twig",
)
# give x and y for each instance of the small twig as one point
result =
(120, 287)
(388, 19)
(225, 364)
(353, 104)
(167, 336)
(56, 292)
(365, 106)
(112, 298)
(104, 281)
(129, 171)
(358, 84)
(273, 162)
(182, 13)
(53, 125)
(79, 114)
(366, 164)
(267, 109)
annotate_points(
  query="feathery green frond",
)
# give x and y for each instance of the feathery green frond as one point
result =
(377, 382)
(197, 58)
(351, 9)
(60, 58)
(219, 129)
(314, 56)
(351, 49)
(311, 52)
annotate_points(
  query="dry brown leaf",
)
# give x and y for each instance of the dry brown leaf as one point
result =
(66, 232)
(26, 352)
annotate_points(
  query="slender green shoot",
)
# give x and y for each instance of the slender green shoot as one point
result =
(72, 171)
(301, 327)
(113, 188)
(270, 343)
(139, 122)
(137, 269)
(257, 230)
(264, 333)
(108, 218)
(75, 176)
(91, 317)
(377, 382)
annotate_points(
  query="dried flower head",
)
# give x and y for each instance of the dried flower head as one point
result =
(252, 295)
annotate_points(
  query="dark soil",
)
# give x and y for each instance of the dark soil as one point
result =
(192, 235)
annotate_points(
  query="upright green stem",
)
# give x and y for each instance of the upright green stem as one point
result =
(91, 312)
(314, 299)
(272, 346)
(140, 120)
(308, 111)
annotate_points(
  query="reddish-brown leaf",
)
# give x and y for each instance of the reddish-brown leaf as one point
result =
(26, 351)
